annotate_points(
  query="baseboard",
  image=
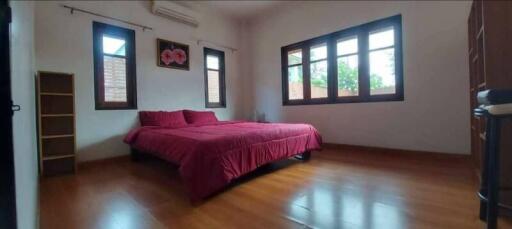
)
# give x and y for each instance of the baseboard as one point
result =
(400, 152)
(344, 147)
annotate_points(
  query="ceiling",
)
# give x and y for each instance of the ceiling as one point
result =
(241, 9)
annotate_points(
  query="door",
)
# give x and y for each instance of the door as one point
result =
(7, 188)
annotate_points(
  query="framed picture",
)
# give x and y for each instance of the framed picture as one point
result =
(172, 54)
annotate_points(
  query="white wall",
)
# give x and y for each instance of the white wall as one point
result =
(64, 44)
(24, 121)
(434, 115)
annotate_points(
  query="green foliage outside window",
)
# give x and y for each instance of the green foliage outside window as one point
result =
(347, 78)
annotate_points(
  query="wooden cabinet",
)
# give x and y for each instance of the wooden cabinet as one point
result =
(490, 67)
(56, 123)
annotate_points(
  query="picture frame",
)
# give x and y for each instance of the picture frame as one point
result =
(170, 54)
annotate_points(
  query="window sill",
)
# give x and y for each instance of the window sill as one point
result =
(215, 106)
(113, 107)
(344, 100)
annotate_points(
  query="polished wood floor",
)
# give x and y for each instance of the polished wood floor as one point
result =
(336, 189)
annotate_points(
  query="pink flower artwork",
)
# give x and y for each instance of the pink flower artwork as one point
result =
(179, 56)
(172, 55)
(167, 56)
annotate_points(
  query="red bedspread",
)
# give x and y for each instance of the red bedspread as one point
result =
(211, 155)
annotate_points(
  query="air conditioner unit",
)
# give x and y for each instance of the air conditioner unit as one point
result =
(175, 12)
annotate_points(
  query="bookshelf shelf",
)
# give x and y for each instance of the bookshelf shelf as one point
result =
(57, 115)
(58, 157)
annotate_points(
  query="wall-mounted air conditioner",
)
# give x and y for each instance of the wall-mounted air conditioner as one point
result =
(175, 12)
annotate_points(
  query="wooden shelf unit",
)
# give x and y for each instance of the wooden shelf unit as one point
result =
(56, 94)
(57, 115)
(490, 54)
(56, 123)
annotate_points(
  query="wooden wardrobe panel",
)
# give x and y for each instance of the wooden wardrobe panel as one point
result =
(497, 16)
(490, 33)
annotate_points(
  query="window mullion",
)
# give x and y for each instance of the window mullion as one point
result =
(100, 56)
(222, 80)
(306, 73)
(284, 77)
(116, 56)
(364, 63)
(399, 87)
(332, 73)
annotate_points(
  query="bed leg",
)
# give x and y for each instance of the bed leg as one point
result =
(304, 156)
(135, 154)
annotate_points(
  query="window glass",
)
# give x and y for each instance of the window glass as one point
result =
(346, 46)
(318, 52)
(382, 38)
(348, 67)
(294, 57)
(212, 62)
(213, 87)
(114, 46)
(382, 72)
(319, 79)
(114, 79)
(295, 86)
(348, 75)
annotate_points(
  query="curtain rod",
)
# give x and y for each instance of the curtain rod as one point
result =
(199, 41)
(72, 9)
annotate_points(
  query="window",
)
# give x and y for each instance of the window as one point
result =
(358, 64)
(214, 78)
(114, 67)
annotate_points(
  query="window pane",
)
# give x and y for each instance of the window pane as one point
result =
(114, 72)
(382, 72)
(213, 87)
(382, 38)
(114, 46)
(319, 79)
(294, 57)
(318, 52)
(347, 46)
(348, 76)
(212, 62)
(295, 87)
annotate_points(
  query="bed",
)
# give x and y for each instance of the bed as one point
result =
(211, 153)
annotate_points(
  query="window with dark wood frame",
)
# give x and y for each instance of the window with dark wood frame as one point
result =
(114, 67)
(214, 78)
(358, 64)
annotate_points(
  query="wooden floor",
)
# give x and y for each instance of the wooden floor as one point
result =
(336, 189)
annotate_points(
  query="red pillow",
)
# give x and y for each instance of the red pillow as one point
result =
(199, 117)
(162, 118)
